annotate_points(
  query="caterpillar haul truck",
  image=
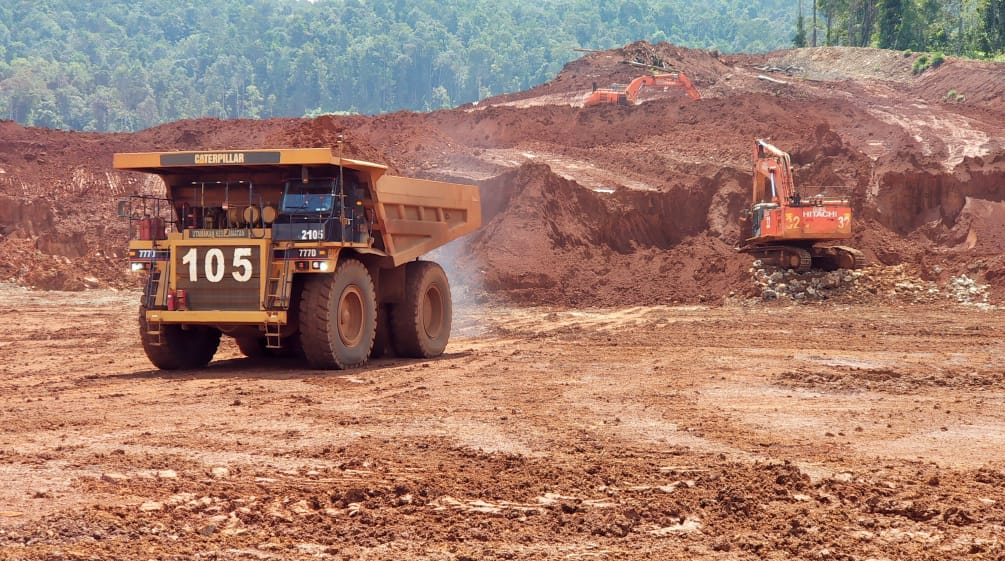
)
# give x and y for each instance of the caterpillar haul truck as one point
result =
(291, 252)
(785, 229)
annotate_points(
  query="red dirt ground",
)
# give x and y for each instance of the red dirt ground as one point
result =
(615, 387)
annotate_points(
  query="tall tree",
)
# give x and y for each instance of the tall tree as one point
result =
(891, 17)
(868, 22)
(814, 23)
(834, 12)
(800, 39)
(993, 16)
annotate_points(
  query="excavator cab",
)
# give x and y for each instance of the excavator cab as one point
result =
(758, 213)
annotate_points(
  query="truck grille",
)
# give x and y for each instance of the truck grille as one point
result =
(213, 279)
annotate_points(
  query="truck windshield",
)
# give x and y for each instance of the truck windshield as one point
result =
(317, 195)
(307, 202)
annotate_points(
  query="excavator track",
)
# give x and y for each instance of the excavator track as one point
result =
(802, 259)
(850, 256)
(834, 257)
(785, 256)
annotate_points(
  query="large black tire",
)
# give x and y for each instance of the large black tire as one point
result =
(252, 347)
(338, 317)
(255, 347)
(382, 340)
(180, 349)
(420, 326)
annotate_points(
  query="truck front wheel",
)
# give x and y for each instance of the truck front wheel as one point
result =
(338, 317)
(421, 324)
(180, 348)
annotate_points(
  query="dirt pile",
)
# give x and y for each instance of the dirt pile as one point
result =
(547, 239)
(608, 205)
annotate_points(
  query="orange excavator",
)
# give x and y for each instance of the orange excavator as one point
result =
(789, 230)
(621, 94)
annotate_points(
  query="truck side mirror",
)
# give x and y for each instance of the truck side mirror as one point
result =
(123, 208)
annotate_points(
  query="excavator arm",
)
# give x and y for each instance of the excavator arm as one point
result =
(675, 80)
(685, 82)
(633, 89)
(772, 174)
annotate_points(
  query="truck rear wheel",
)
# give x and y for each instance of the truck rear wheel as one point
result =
(257, 347)
(251, 347)
(338, 317)
(179, 349)
(421, 324)
(382, 346)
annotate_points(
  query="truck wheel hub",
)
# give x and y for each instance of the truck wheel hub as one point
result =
(350, 316)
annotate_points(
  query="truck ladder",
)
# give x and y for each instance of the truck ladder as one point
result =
(273, 333)
(150, 291)
(277, 290)
(154, 328)
(154, 331)
(277, 297)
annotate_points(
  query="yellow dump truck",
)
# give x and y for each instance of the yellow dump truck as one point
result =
(291, 252)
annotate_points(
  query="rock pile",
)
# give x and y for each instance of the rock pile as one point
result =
(899, 283)
(966, 290)
(779, 284)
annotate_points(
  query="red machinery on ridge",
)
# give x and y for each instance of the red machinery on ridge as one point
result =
(786, 229)
(621, 94)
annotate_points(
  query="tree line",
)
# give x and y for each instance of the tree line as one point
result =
(123, 65)
(969, 28)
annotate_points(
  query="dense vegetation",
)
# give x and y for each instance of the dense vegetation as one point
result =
(112, 65)
(974, 28)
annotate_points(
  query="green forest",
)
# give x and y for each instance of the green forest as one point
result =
(115, 65)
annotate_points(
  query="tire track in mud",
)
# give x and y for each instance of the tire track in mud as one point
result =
(942, 134)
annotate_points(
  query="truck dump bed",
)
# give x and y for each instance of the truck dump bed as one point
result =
(419, 215)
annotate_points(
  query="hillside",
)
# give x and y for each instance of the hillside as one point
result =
(628, 205)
